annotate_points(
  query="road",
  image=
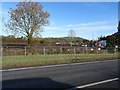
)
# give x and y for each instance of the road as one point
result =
(69, 76)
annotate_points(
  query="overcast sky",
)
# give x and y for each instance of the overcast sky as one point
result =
(89, 20)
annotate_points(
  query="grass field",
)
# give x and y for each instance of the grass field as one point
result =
(40, 60)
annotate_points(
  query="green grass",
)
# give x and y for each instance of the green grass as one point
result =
(40, 60)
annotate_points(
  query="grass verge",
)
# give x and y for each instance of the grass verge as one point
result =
(9, 62)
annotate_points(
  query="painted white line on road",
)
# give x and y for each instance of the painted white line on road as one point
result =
(93, 84)
(18, 69)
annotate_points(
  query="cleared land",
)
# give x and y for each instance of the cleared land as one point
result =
(40, 60)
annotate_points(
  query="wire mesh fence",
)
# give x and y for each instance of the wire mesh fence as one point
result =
(24, 50)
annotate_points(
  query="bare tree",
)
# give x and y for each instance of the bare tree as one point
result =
(27, 19)
(71, 35)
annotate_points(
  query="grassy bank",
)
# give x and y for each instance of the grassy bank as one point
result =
(40, 60)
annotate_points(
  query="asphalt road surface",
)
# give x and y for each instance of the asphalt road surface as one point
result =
(69, 76)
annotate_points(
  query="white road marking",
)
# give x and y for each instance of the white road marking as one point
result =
(17, 69)
(93, 84)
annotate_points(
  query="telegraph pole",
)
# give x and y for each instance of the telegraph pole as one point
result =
(118, 27)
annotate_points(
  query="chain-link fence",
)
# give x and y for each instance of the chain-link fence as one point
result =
(24, 50)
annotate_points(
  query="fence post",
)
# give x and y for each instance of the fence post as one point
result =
(1, 52)
(25, 51)
(86, 49)
(74, 51)
(44, 50)
(61, 50)
(96, 50)
(105, 51)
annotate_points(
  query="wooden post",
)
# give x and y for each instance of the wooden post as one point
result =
(25, 51)
(74, 51)
(44, 50)
(1, 52)
(61, 50)
(86, 49)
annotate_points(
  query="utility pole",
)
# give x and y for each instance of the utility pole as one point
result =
(92, 40)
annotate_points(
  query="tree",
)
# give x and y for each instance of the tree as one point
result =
(112, 41)
(71, 35)
(27, 19)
